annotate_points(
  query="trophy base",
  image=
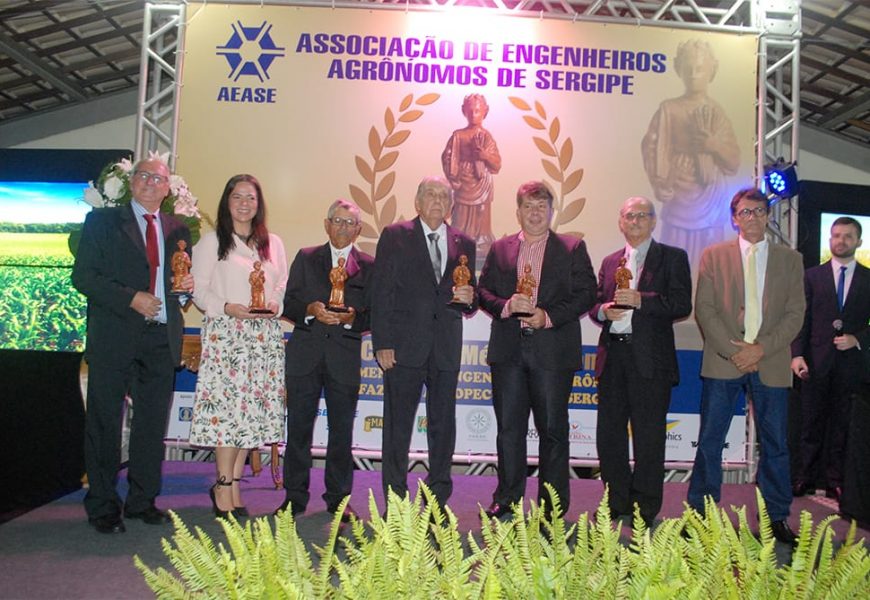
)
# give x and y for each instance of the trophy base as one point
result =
(178, 293)
(521, 314)
(259, 311)
(622, 306)
(338, 309)
(457, 305)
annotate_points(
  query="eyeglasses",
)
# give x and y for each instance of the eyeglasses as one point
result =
(636, 216)
(145, 177)
(758, 211)
(346, 221)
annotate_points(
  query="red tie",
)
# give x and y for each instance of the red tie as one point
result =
(151, 249)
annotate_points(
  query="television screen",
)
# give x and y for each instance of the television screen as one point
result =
(40, 308)
(827, 219)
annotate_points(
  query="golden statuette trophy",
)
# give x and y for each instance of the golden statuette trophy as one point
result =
(180, 269)
(337, 277)
(257, 279)
(623, 279)
(461, 277)
(526, 285)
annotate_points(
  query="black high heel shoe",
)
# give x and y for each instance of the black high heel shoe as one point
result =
(221, 514)
(240, 511)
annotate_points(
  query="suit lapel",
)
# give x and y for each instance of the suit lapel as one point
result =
(352, 264)
(859, 285)
(651, 265)
(131, 228)
(324, 261)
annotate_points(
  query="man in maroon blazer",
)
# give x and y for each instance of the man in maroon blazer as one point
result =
(637, 360)
(827, 357)
(534, 344)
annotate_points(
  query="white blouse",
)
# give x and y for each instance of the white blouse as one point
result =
(217, 282)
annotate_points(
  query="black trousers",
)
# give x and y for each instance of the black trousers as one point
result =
(402, 388)
(855, 501)
(149, 379)
(518, 388)
(826, 403)
(625, 397)
(303, 398)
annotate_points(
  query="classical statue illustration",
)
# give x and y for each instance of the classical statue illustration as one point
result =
(689, 152)
(469, 160)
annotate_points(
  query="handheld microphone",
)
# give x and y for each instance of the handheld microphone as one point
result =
(838, 326)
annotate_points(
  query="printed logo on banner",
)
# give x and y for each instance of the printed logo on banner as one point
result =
(250, 52)
(373, 422)
(673, 436)
(422, 424)
(478, 423)
(576, 433)
(185, 413)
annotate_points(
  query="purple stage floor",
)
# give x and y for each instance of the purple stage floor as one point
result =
(51, 552)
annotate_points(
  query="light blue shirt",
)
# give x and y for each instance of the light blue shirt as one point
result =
(159, 287)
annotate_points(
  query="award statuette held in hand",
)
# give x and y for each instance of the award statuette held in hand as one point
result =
(257, 279)
(526, 285)
(623, 279)
(337, 277)
(180, 269)
(461, 277)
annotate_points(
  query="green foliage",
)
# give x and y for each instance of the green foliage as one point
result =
(417, 552)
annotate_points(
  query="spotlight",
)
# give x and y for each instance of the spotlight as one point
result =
(781, 179)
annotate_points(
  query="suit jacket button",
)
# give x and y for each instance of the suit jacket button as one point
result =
(327, 335)
(435, 316)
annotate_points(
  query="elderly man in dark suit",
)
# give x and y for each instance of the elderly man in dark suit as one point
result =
(134, 344)
(750, 306)
(637, 360)
(827, 356)
(417, 337)
(323, 355)
(534, 344)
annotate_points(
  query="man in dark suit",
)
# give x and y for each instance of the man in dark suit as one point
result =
(827, 357)
(323, 355)
(855, 500)
(134, 344)
(637, 360)
(417, 337)
(750, 306)
(534, 344)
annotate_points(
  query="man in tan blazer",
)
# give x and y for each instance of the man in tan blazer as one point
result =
(749, 306)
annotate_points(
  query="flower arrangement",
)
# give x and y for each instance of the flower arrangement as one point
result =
(112, 188)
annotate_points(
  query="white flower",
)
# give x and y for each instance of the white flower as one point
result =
(176, 183)
(186, 205)
(164, 158)
(113, 187)
(125, 165)
(93, 196)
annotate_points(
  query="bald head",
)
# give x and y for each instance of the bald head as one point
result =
(637, 219)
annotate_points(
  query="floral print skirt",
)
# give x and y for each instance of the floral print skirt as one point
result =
(239, 400)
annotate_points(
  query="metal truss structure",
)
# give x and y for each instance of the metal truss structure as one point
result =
(776, 23)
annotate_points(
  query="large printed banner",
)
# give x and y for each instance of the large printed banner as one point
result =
(323, 103)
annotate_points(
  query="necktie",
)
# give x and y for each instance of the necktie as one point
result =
(841, 289)
(752, 316)
(435, 255)
(151, 250)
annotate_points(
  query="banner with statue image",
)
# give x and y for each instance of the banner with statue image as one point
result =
(323, 103)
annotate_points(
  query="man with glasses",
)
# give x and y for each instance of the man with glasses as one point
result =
(417, 336)
(323, 356)
(134, 344)
(750, 306)
(637, 360)
(534, 345)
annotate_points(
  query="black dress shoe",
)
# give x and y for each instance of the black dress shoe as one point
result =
(346, 515)
(108, 524)
(497, 510)
(151, 515)
(802, 488)
(294, 509)
(834, 492)
(783, 533)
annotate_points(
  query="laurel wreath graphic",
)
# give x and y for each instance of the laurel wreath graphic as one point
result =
(564, 210)
(378, 202)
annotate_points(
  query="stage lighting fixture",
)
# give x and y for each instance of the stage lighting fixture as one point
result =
(781, 179)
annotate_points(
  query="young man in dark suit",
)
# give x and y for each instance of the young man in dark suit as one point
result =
(637, 359)
(827, 357)
(323, 355)
(134, 344)
(417, 337)
(534, 344)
